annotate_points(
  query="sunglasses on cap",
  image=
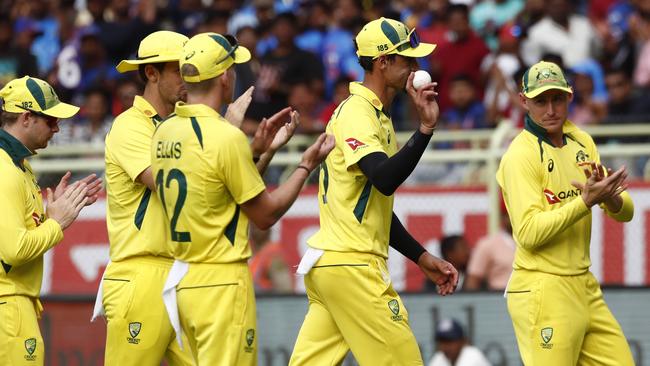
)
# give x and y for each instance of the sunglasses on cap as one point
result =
(52, 122)
(232, 43)
(412, 41)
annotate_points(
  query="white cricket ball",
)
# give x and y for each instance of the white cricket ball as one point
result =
(421, 78)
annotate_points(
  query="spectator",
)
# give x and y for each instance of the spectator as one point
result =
(268, 265)
(490, 264)
(589, 104)
(46, 46)
(461, 54)
(341, 92)
(466, 111)
(283, 66)
(91, 125)
(16, 59)
(125, 92)
(501, 94)
(304, 99)
(455, 250)
(416, 14)
(626, 105)
(454, 348)
(561, 32)
(488, 16)
(122, 27)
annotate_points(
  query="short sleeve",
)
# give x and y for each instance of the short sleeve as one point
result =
(236, 167)
(129, 144)
(357, 134)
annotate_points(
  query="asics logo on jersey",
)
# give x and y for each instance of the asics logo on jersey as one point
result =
(551, 164)
(354, 143)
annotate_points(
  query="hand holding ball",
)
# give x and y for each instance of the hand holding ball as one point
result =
(420, 79)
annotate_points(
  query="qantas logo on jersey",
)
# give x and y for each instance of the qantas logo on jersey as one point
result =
(354, 143)
(552, 198)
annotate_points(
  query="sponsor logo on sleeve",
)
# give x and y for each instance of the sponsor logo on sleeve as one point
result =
(354, 143)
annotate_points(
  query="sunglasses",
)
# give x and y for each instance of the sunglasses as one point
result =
(412, 41)
(52, 122)
(232, 45)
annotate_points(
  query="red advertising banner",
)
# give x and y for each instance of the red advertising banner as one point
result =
(620, 252)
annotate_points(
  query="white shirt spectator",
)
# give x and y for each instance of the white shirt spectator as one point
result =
(575, 44)
(469, 356)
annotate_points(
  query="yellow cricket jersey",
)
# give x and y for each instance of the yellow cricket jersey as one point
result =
(551, 223)
(203, 167)
(354, 216)
(134, 214)
(26, 232)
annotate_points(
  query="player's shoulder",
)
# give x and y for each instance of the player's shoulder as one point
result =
(524, 146)
(128, 122)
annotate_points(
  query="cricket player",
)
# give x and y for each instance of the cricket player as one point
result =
(138, 330)
(551, 177)
(210, 188)
(29, 118)
(352, 303)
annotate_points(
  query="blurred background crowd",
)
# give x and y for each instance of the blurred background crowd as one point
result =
(304, 56)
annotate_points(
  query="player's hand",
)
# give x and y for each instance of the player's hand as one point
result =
(267, 130)
(93, 183)
(66, 208)
(237, 109)
(286, 132)
(600, 188)
(440, 272)
(317, 152)
(425, 103)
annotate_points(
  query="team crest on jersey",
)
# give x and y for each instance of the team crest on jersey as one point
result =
(134, 330)
(547, 335)
(250, 338)
(354, 143)
(582, 158)
(551, 197)
(393, 305)
(30, 347)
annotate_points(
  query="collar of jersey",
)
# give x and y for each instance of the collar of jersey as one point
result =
(195, 110)
(540, 132)
(146, 108)
(14, 148)
(356, 88)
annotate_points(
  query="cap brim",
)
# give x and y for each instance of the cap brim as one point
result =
(538, 91)
(422, 50)
(132, 65)
(242, 54)
(62, 110)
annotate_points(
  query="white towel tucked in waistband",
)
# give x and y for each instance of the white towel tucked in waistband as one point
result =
(176, 274)
(98, 309)
(308, 260)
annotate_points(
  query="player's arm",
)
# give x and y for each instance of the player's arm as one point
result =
(19, 244)
(524, 196)
(437, 270)
(146, 178)
(387, 174)
(267, 207)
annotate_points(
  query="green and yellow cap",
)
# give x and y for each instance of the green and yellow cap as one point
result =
(158, 47)
(34, 95)
(543, 76)
(212, 54)
(385, 36)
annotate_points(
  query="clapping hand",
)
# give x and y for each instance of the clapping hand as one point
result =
(93, 185)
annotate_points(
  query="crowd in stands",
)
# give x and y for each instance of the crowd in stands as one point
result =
(304, 54)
